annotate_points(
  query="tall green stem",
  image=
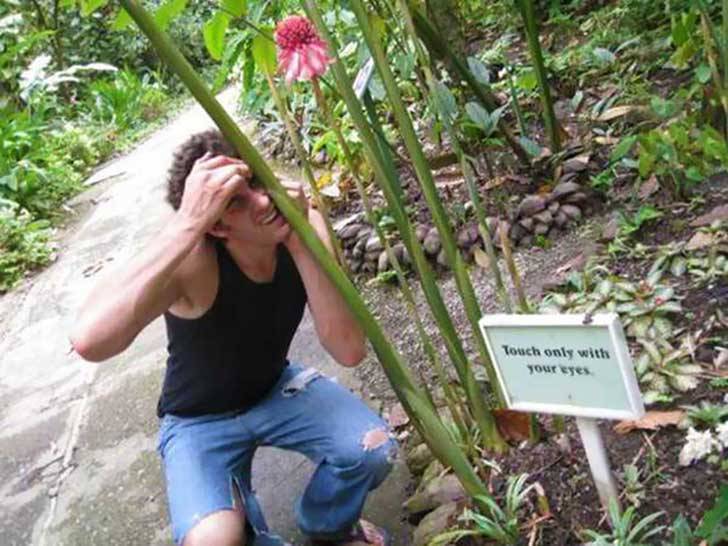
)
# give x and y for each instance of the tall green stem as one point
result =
(432, 354)
(427, 184)
(412, 398)
(390, 186)
(528, 13)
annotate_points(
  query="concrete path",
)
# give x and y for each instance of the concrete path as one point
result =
(77, 441)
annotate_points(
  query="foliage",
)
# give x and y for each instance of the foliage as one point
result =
(500, 525)
(23, 245)
(625, 530)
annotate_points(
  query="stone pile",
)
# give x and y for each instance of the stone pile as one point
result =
(536, 215)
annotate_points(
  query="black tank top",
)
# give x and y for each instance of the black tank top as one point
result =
(229, 358)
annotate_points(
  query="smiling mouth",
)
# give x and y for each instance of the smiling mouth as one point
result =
(270, 217)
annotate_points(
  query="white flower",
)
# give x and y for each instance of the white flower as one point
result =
(33, 75)
(697, 445)
(721, 433)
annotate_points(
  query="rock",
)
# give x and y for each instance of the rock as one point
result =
(364, 233)
(719, 213)
(356, 218)
(372, 257)
(572, 211)
(435, 523)
(432, 242)
(382, 262)
(527, 241)
(610, 229)
(463, 238)
(560, 219)
(553, 207)
(531, 205)
(544, 217)
(541, 229)
(527, 223)
(419, 458)
(355, 265)
(369, 267)
(565, 188)
(349, 232)
(399, 251)
(421, 232)
(433, 470)
(576, 164)
(442, 258)
(517, 232)
(373, 244)
(576, 198)
(430, 495)
(358, 251)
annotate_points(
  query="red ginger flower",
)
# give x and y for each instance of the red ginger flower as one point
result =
(301, 51)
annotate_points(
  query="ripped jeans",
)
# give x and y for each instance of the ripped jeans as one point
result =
(206, 458)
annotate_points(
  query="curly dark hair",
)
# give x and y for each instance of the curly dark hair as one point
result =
(185, 156)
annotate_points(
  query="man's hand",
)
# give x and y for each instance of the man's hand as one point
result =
(212, 182)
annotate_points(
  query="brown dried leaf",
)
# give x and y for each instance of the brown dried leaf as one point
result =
(397, 416)
(649, 187)
(699, 240)
(617, 112)
(481, 258)
(652, 420)
(513, 425)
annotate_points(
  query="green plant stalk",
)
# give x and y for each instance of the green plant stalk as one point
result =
(427, 345)
(513, 270)
(711, 40)
(306, 166)
(427, 184)
(412, 398)
(516, 106)
(435, 43)
(464, 162)
(375, 151)
(528, 13)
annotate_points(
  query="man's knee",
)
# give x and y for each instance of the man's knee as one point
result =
(378, 450)
(223, 528)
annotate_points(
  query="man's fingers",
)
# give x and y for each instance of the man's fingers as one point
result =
(209, 162)
(222, 174)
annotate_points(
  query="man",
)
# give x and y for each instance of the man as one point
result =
(232, 278)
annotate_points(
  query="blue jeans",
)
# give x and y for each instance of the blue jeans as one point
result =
(205, 458)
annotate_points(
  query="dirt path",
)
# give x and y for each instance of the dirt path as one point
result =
(77, 440)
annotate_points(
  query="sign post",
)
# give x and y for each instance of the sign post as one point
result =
(569, 365)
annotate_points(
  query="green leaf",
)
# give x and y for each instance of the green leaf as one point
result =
(623, 148)
(89, 6)
(238, 8)
(168, 11)
(531, 147)
(477, 114)
(604, 56)
(528, 81)
(479, 70)
(214, 34)
(264, 54)
(122, 20)
(703, 73)
(446, 99)
(713, 525)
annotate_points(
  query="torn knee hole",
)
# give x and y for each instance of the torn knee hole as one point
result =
(374, 439)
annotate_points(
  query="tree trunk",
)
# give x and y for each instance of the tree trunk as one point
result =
(443, 15)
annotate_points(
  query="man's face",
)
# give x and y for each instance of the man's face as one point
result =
(252, 217)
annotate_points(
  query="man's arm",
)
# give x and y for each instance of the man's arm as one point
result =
(127, 300)
(338, 330)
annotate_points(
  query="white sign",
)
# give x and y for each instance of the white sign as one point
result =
(559, 364)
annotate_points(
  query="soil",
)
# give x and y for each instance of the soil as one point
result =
(564, 474)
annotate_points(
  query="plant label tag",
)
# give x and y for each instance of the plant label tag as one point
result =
(564, 364)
